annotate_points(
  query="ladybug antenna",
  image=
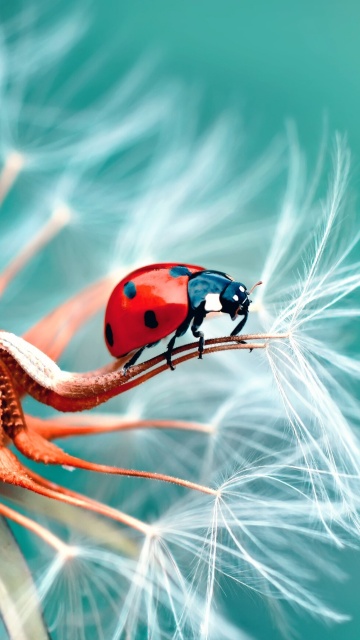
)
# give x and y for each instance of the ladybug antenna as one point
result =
(254, 287)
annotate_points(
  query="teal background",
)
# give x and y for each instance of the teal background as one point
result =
(266, 62)
(269, 60)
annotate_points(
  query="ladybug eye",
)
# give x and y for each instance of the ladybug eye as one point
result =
(235, 297)
(242, 289)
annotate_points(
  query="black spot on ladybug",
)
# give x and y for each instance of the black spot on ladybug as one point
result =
(179, 270)
(150, 320)
(109, 335)
(130, 290)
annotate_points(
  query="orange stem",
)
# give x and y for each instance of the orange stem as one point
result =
(41, 378)
(52, 429)
(36, 528)
(37, 448)
(52, 490)
(79, 393)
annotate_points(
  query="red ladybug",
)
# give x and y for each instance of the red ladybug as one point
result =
(157, 300)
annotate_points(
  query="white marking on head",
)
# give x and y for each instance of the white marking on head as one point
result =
(242, 289)
(212, 302)
(235, 297)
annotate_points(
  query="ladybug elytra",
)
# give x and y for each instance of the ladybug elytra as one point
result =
(157, 300)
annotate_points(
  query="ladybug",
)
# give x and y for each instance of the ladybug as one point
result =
(157, 300)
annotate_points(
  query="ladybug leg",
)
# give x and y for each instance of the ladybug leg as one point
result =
(197, 322)
(169, 352)
(179, 332)
(239, 327)
(132, 361)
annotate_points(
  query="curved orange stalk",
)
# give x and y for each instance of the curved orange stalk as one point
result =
(74, 498)
(36, 528)
(37, 448)
(42, 378)
(33, 446)
(65, 427)
(13, 472)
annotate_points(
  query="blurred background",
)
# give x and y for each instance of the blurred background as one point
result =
(269, 61)
(262, 64)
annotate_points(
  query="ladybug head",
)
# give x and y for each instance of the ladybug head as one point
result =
(235, 299)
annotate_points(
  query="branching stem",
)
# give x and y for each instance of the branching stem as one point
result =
(36, 528)
(41, 378)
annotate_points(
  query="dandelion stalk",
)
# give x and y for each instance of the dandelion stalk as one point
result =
(13, 165)
(59, 218)
(66, 391)
(65, 427)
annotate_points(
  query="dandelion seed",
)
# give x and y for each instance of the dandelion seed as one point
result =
(315, 416)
